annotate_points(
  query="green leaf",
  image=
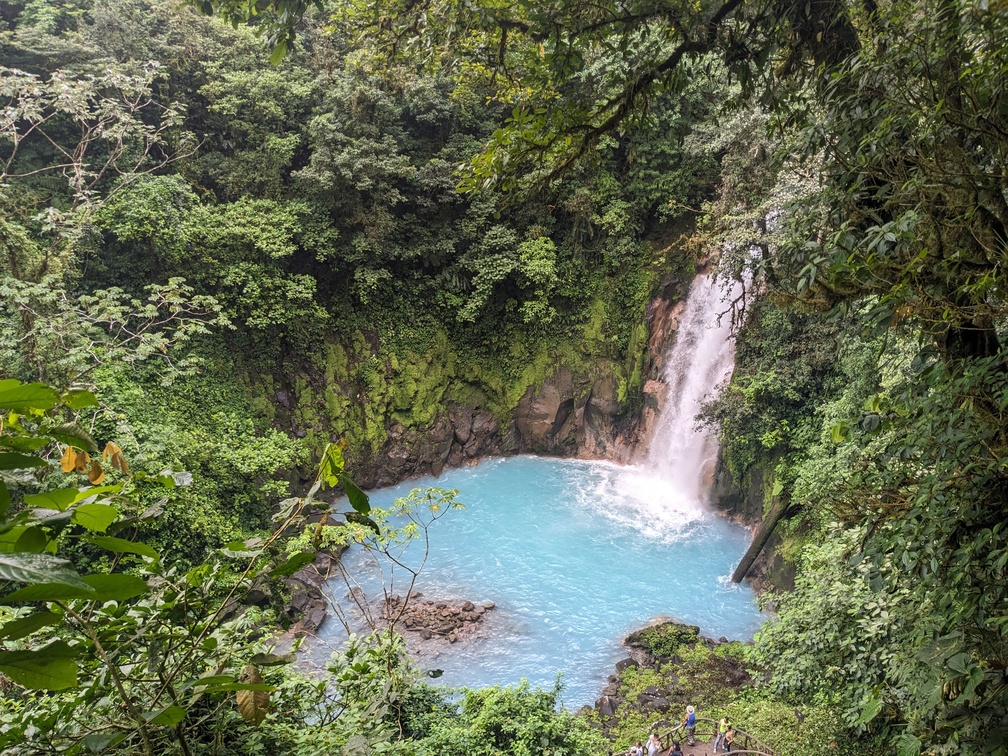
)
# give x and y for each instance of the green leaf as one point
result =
(49, 592)
(272, 660)
(332, 466)
(62, 498)
(115, 587)
(49, 668)
(358, 499)
(15, 461)
(960, 663)
(95, 517)
(40, 568)
(170, 478)
(28, 396)
(72, 435)
(124, 546)
(25, 626)
(59, 499)
(278, 53)
(359, 519)
(293, 564)
(205, 681)
(79, 399)
(97, 742)
(169, 716)
(32, 540)
(235, 686)
(871, 709)
(4, 499)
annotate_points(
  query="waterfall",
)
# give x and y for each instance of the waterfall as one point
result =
(667, 491)
(701, 359)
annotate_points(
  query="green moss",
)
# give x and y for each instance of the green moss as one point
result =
(665, 640)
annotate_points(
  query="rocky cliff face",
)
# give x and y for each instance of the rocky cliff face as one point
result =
(573, 414)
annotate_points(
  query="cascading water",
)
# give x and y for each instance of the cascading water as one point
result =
(670, 487)
(576, 554)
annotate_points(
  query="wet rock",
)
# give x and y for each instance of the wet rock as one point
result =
(606, 706)
(625, 664)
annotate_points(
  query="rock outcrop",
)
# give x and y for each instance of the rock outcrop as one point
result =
(661, 648)
(431, 619)
(308, 607)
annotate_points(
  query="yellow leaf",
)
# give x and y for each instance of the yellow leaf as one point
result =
(110, 450)
(119, 462)
(114, 454)
(95, 473)
(81, 462)
(252, 704)
(69, 460)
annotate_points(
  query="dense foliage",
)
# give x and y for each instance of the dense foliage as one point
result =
(241, 262)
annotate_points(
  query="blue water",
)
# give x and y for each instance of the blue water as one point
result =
(576, 555)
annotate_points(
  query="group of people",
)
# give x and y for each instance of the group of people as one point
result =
(723, 738)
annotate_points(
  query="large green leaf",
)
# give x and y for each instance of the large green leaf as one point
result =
(124, 546)
(31, 540)
(292, 565)
(115, 587)
(169, 716)
(15, 461)
(24, 626)
(49, 668)
(39, 568)
(358, 499)
(79, 399)
(73, 435)
(97, 742)
(59, 499)
(49, 592)
(18, 396)
(95, 517)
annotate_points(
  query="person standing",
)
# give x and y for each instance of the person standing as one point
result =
(676, 751)
(719, 738)
(689, 721)
(653, 745)
(729, 738)
(637, 750)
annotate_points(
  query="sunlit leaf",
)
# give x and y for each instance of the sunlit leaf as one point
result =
(79, 399)
(95, 517)
(124, 546)
(28, 396)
